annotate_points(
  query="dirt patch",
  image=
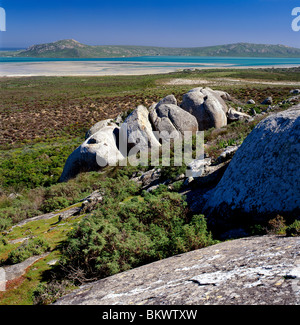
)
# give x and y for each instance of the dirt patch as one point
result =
(188, 82)
(228, 81)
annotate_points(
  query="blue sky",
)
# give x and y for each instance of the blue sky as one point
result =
(186, 23)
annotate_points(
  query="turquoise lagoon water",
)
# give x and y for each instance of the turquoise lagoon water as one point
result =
(170, 60)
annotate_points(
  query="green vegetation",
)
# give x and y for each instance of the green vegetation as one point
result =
(33, 202)
(283, 226)
(293, 229)
(47, 235)
(33, 151)
(35, 165)
(119, 236)
(35, 246)
(44, 120)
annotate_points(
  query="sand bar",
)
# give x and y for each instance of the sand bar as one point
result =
(107, 68)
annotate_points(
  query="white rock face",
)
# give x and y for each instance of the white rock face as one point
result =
(136, 131)
(98, 126)
(97, 151)
(264, 175)
(234, 115)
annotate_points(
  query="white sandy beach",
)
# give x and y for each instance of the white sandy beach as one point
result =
(90, 68)
(107, 68)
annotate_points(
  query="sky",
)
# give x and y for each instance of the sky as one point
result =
(170, 23)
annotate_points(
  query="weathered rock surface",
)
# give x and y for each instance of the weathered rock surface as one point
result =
(223, 94)
(98, 126)
(91, 202)
(248, 271)
(107, 143)
(97, 151)
(227, 154)
(15, 271)
(170, 118)
(295, 91)
(196, 167)
(251, 101)
(207, 106)
(267, 101)
(149, 178)
(136, 131)
(170, 99)
(234, 115)
(263, 176)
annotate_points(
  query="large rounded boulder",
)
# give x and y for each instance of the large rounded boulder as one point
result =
(208, 106)
(98, 126)
(136, 132)
(99, 150)
(170, 118)
(263, 179)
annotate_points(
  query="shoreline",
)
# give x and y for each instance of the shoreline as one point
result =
(110, 68)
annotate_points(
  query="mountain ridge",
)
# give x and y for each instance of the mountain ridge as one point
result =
(71, 48)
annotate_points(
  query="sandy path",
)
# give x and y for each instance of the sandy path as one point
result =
(228, 81)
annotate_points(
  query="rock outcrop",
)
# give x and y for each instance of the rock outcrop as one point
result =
(110, 141)
(170, 118)
(249, 271)
(234, 115)
(207, 106)
(267, 101)
(98, 126)
(170, 99)
(97, 151)
(263, 176)
(136, 131)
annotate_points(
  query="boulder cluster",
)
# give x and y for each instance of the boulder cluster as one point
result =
(110, 141)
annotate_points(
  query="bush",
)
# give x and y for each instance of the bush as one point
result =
(55, 203)
(32, 202)
(171, 172)
(35, 246)
(5, 223)
(277, 226)
(45, 294)
(123, 235)
(16, 214)
(35, 165)
(293, 229)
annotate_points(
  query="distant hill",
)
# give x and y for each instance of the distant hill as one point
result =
(73, 49)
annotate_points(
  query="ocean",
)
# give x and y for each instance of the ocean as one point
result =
(10, 67)
(169, 60)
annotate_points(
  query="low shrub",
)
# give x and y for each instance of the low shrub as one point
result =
(293, 229)
(5, 223)
(277, 226)
(35, 246)
(123, 235)
(45, 294)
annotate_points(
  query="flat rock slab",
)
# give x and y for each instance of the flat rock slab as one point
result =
(15, 271)
(248, 271)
